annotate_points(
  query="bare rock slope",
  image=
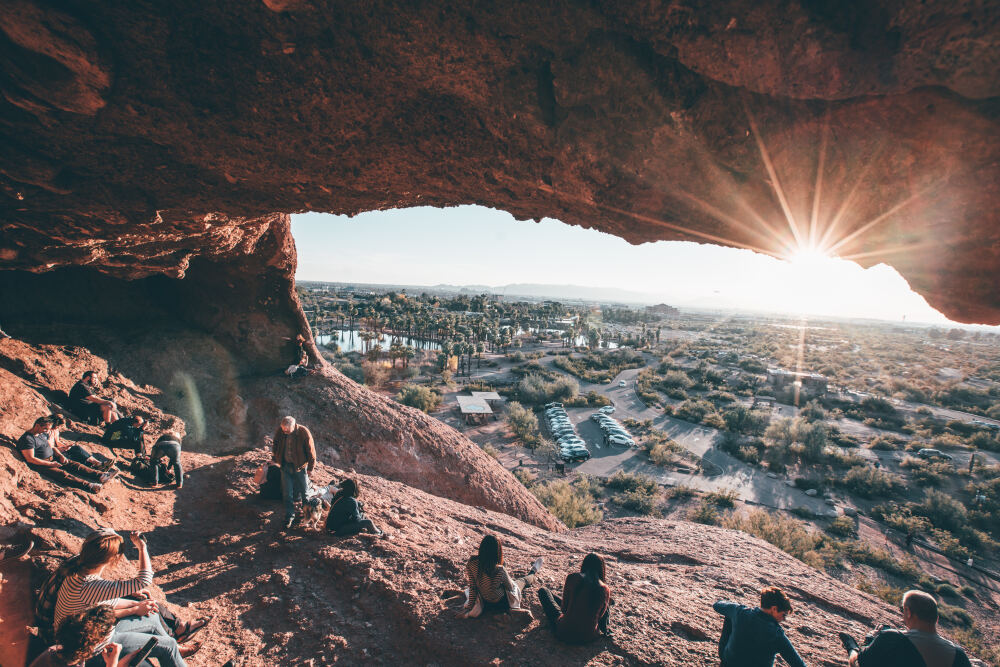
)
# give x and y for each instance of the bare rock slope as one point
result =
(287, 598)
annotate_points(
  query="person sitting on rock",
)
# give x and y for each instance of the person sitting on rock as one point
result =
(85, 403)
(168, 446)
(490, 586)
(754, 634)
(126, 433)
(41, 457)
(346, 515)
(295, 452)
(83, 587)
(919, 645)
(79, 639)
(75, 452)
(584, 610)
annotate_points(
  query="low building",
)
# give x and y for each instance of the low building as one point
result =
(474, 410)
(493, 399)
(662, 309)
(809, 384)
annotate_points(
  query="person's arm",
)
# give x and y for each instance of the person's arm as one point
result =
(961, 660)
(788, 652)
(29, 458)
(473, 604)
(310, 451)
(511, 590)
(726, 609)
(275, 447)
(568, 591)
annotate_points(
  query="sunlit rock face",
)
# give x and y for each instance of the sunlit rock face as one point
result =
(159, 138)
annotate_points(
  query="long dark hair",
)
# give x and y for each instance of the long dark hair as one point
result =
(594, 575)
(490, 554)
(348, 489)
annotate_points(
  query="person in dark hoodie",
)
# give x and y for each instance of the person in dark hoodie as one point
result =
(583, 612)
(346, 515)
(754, 634)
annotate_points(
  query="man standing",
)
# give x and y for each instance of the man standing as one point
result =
(295, 452)
(755, 634)
(83, 401)
(919, 646)
(41, 457)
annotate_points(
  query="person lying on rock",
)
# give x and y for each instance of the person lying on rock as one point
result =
(584, 610)
(75, 452)
(168, 447)
(47, 461)
(85, 403)
(751, 637)
(347, 516)
(126, 433)
(84, 640)
(138, 616)
(295, 452)
(919, 645)
(490, 586)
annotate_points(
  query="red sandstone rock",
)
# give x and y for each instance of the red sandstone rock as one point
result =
(140, 140)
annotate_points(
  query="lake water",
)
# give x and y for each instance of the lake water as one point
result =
(353, 343)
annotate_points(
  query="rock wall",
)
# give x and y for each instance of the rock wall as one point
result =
(136, 139)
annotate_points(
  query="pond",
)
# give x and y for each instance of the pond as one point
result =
(350, 341)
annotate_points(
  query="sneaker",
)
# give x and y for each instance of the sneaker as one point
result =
(108, 476)
(537, 565)
(289, 523)
(93, 487)
(105, 466)
(848, 642)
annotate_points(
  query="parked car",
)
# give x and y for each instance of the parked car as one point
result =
(981, 424)
(928, 453)
(570, 440)
(553, 405)
(623, 384)
(575, 454)
(607, 409)
(621, 440)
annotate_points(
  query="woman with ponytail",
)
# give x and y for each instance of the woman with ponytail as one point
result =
(584, 610)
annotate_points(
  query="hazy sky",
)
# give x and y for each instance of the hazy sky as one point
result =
(481, 246)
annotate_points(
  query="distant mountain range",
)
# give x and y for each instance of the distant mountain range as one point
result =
(557, 292)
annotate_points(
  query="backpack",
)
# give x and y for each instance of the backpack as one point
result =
(145, 471)
(270, 489)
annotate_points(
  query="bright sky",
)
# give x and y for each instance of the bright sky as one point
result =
(472, 245)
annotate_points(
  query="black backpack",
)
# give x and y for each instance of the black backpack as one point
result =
(271, 488)
(146, 472)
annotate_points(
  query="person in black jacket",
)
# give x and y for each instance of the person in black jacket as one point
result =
(126, 433)
(346, 515)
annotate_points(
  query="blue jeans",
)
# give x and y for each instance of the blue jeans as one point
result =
(293, 484)
(132, 632)
(172, 452)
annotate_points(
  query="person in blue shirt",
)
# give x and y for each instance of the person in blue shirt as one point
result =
(752, 636)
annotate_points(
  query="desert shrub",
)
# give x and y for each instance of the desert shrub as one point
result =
(705, 512)
(789, 535)
(741, 419)
(926, 473)
(680, 491)
(955, 615)
(947, 591)
(626, 481)
(722, 498)
(885, 443)
(523, 423)
(748, 454)
(535, 389)
(676, 379)
(714, 420)
(868, 482)
(942, 510)
(842, 526)
(571, 504)
(352, 371)
(516, 357)
(419, 397)
(860, 552)
(526, 476)
(983, 440)
(694, 410)
(376, 374)
(638, 501)
(491, 451)
(813, 411)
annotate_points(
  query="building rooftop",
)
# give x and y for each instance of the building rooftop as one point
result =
(473, 405)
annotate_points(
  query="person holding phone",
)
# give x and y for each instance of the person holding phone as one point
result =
(137, 620)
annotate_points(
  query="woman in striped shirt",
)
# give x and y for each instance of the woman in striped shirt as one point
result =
(136, 620)
(490, 586)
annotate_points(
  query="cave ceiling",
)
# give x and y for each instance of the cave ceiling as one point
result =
(136, 136)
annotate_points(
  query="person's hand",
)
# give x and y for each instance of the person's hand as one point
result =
(852, 659)
(58, 456)
(138, 539)
(111, 653)
(144, 595)
(462, 614)
(146, 607)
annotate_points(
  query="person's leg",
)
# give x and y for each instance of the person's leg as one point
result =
(525, 581)
(130, 641)
(604, 621)
(81, 470)
(301, 479)
(146, 625)
(288, 490)
(549, 606)
(350, 528)
(78, 454)
(63, 477)
(175, 461)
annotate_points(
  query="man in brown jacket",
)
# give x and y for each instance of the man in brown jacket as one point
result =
(295, 452)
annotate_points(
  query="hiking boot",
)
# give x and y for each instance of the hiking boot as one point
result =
(289, 523)
(108, 476)
(848, 642)
(105, 466)
(93, 487)
(537, 565)
(188, 650)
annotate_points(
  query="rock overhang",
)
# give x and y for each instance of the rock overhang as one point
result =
(137, 140)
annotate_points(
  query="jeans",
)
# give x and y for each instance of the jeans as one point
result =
(172, 452)
(81, 455)
(294, 484)
(355, 527)
(132, 632)
(70, 473)
(552, 606)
